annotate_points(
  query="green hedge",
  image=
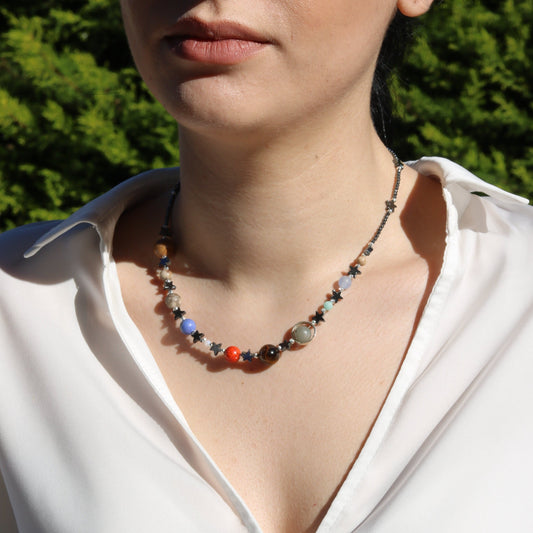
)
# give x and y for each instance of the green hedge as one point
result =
(75, 119)
(465, 91)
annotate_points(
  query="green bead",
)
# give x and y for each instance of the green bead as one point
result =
(303, 332)
(328, 305)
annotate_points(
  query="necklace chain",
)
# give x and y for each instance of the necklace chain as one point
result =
(301, 333)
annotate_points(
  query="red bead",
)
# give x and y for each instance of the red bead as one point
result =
(232, 353)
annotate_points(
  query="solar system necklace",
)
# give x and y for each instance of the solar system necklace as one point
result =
(302, 333)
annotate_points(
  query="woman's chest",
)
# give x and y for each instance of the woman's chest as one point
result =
(286, 435)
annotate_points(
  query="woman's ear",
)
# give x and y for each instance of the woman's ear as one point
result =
(414, 8)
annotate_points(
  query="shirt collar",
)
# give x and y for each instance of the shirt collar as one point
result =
(455, 178)
(103, 212)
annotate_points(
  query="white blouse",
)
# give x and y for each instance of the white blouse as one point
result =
(91, 439)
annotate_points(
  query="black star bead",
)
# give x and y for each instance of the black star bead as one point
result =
(164, 261)
(169, 286)
(247, 355)
(285, 345)
(197, 337)
(354, 271)
(319, 317)
(336, 296)
(178, 313)
(391, 206)
(215, 348)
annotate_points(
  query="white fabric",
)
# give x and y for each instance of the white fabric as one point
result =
(91, 439)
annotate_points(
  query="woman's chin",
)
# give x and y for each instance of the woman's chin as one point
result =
(197, 107)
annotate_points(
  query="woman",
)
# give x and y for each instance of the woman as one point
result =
(380, 412)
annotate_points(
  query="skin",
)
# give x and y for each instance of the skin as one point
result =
(283, 182)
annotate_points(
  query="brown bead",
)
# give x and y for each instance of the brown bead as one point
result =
(269, 354)
(164, 247)
(362, 260)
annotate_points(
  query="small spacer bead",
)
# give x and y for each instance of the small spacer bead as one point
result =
(369, 250)
(165, 261)
(232, 353)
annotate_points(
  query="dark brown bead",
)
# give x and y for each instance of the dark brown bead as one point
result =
(269, 354)
(164, 247)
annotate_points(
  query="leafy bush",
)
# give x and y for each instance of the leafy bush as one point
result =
(75, 119)
(465, 90)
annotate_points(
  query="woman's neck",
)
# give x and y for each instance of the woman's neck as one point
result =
(282, 209)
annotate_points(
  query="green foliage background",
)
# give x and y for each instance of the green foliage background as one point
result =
(75, 119)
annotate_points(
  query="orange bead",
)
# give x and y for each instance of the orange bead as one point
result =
(164, 247)
(232, 353)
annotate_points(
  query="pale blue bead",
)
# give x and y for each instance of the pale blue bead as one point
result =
(328, 305)
(345, 282)
(188, 326)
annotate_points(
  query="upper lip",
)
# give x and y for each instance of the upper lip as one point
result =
(213, 31)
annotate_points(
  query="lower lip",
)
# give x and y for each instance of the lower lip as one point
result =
(220, 52)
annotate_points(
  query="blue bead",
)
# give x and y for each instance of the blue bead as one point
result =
(188, 326)
(345, 282)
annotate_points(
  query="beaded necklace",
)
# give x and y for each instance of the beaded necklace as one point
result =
(303, 332)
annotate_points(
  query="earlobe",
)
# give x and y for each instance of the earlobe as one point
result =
(414, 8)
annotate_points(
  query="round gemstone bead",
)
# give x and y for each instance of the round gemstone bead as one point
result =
(165, 274)
(232, 353)
(362, 260)
(188, 326)
(303, 332)
(172, 300)
(164, 247)
(328, 305)
(345, 282)
(269, 353)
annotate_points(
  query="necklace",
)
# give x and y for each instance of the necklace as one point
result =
(303, 332)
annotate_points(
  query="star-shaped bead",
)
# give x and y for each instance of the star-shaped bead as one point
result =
(391, 206)
(164, 261)
(319, 317)
(336, 296)
(285, 345)
(197, 337)
(178, 313)
(216, 348)
(354, 271)
(247, 355)
(169, 286)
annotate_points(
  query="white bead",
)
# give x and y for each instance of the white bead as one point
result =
(172, 300)
(165, 274)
